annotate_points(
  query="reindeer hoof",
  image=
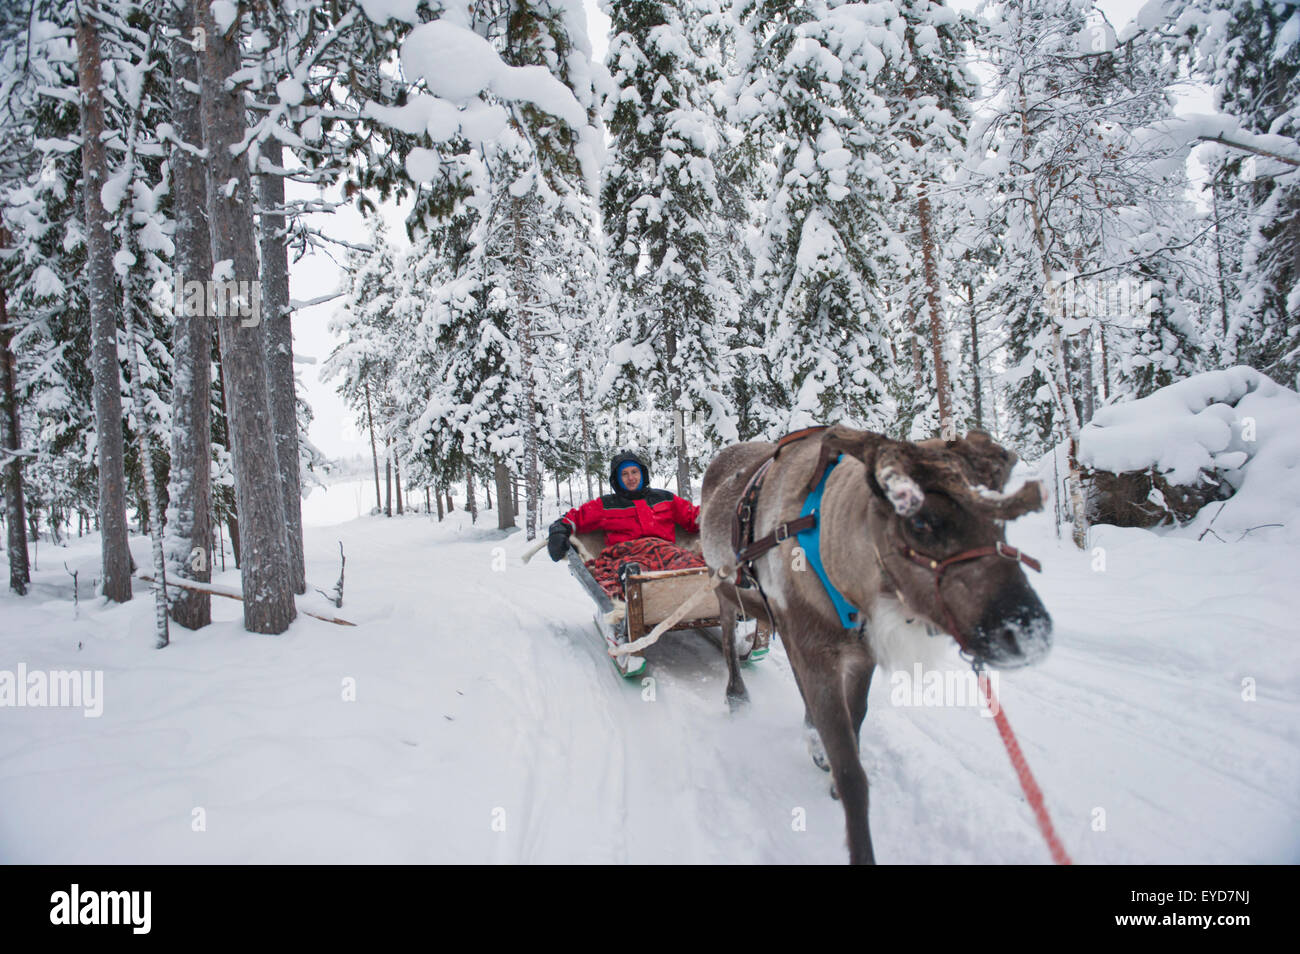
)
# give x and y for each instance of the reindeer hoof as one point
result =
(813, 739)
(835, 792)
(737, 700)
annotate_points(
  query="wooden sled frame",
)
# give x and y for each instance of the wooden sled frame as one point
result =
(649, 596)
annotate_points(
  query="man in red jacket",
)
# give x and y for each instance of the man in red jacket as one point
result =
(640, 524)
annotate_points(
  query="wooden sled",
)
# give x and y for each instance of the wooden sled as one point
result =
(649, 597)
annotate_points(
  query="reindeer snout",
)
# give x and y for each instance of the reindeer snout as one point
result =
(1015, 630)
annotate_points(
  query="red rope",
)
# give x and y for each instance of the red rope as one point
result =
(1033, 794)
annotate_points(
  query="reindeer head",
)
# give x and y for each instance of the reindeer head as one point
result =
(934, 501)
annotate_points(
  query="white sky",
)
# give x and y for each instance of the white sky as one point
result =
(333, 429)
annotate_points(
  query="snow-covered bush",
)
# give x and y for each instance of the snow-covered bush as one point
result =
(1218, 451)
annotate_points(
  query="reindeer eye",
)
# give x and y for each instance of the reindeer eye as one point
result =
(920, 524)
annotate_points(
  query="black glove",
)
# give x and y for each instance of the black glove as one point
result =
(558, 540)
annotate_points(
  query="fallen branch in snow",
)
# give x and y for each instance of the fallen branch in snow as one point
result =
(75, 595)
(335, 596)
(216, 589)
(1211, 524)
(1260, 527)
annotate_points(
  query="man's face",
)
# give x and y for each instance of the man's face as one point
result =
(631, 477)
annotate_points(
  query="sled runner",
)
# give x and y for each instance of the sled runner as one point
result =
(646, 598)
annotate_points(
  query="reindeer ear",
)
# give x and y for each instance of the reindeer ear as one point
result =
(990, 463)
(855, 443)
(886, 462)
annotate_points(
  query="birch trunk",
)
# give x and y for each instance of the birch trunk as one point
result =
(1058, 381)
(977, 386)
(930, 273)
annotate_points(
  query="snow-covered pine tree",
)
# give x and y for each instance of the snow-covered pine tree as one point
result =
(364, 360)
(807, 88)
(658, 202)
(1249, 53)
(929, 92)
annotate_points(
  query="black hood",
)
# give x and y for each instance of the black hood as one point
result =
(613, 475)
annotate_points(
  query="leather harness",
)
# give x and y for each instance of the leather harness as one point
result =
(747, 549)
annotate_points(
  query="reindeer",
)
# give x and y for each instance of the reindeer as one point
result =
(912, 535)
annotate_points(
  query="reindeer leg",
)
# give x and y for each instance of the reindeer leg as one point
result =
(736, 693)
(859, 685)
(811, 738)
(834, 721)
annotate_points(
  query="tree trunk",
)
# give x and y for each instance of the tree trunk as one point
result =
(679, 423)
(1105, 367)
(388, 482)
(930, 272)
(374, 452)
(188, 540)
(428, 503)
(232, 529)
(471, 504)
(1087, 391)
(586, 436)
(278, 323)
(1058, 381)
(975, 358)
(523, 293)
(397, 482)
(265, 575)
(103, 317)
(12, 473)
(158, 586)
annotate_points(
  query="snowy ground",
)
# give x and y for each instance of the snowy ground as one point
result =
(483, 701)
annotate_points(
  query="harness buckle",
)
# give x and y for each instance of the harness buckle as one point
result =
(1006, 552)
(782, 532)
(745, 513)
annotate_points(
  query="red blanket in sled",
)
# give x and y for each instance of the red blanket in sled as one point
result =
(651, 553)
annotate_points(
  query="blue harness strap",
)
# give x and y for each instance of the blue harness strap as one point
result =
(810, 541)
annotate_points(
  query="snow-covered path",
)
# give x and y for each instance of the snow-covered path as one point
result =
(488, 724)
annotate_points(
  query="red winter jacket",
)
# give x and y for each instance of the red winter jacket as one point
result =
(656, 514)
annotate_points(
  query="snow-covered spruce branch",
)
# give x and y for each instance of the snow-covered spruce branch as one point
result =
(1246, 147)
(264, 128)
